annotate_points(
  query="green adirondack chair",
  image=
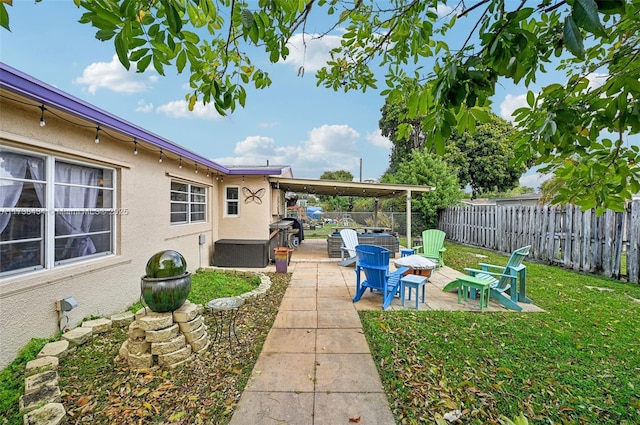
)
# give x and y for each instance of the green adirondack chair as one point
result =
(510, 279)
(432, 246)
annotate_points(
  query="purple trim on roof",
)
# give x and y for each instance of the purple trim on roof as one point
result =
(18, 82)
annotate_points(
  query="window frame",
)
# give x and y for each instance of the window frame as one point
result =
(48, 211)
(189, 202)
(229, 201)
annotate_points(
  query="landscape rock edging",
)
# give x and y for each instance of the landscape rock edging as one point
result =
(42, 405)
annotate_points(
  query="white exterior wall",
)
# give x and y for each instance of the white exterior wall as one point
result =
(109, 284)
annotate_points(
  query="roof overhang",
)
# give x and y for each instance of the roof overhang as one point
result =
(341, 188)
(23, 86)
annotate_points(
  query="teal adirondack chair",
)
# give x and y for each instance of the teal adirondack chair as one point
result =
(504, 280)
(373, 260)
(432, 246)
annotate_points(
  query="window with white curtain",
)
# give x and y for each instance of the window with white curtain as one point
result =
(53, 211)
(188, 203)
(232, 201)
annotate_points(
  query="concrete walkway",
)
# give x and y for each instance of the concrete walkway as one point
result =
(315, 367)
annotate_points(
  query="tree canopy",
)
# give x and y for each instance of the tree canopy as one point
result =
(336, 203)
(339, 175)
(576, 129)
(484, 159)
(427, 169)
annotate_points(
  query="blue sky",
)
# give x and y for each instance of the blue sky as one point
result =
(293, 122)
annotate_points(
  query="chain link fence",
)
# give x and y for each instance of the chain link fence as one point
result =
(396, 221)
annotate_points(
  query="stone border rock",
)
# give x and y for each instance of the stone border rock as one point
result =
(261, 290)
(265, 281)
(42, 399)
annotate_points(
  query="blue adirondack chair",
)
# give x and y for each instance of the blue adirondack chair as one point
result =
(373, 260)
(510, 279)
(432, 246)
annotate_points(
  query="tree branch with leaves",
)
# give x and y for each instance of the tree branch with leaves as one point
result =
(408, 42)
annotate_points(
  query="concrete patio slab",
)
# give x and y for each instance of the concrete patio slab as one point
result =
(333, 341)
(307, 282)
(341, 319)
(283, 372)
(301, 292)
(335, 303)
(315, 367)
(333, 291)
(346, 408)
(347, 373)
(274, 408)
(279, 341)
(298, 303)
(296, 319)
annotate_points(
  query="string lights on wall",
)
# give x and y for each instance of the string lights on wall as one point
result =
(101, 131)
(42, 121)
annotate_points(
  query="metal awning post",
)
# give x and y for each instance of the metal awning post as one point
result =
(408, 218)
(375, 212)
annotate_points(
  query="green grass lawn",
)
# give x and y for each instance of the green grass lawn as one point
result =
(320, 232)
(577, 363)
(97, 360)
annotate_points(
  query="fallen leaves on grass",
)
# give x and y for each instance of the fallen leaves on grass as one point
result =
(97, 389)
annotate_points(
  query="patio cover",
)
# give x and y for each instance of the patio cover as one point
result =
(342, 188)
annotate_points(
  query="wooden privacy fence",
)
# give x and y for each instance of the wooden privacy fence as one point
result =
(565, 236)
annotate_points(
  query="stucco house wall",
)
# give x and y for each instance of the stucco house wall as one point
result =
(110, 283)
(253, 219)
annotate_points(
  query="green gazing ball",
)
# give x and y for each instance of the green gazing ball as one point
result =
(166, 263)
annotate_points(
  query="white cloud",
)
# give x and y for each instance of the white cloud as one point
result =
(113, 76)
(443, 10)
(597, 80)
(259, 147)
(327, 148)
(310, 52)
(257, 150)
(510, 104)
(144, 107)
(265, 124)
(180, 109)
(534, 179)
(377, 139)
